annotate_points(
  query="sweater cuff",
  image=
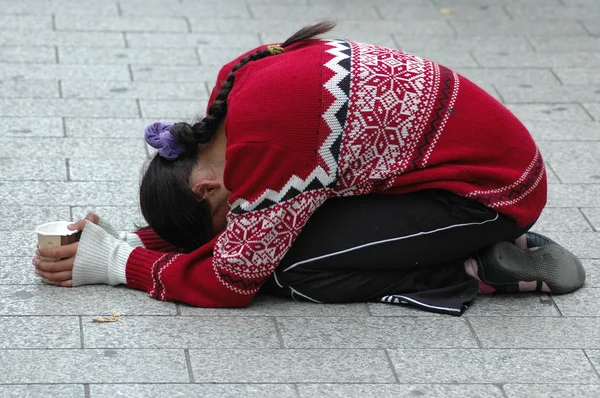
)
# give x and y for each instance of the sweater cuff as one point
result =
(100, 258)
(140, 266)
(131, 238)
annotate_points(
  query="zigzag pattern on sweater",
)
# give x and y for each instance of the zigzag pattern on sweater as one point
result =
(338, 86)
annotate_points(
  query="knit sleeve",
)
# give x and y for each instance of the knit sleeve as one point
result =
(270, 204)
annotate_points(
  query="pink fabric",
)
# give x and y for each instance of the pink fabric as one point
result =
(486, 289)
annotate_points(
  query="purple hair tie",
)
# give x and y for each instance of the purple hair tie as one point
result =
(158, 135)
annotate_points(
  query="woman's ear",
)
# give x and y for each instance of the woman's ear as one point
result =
(204, 187)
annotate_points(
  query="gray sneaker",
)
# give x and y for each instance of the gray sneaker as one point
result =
(536, 240)
(503, 265)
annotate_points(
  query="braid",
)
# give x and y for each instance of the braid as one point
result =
(202, 131)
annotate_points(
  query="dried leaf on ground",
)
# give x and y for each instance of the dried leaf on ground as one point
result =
(106, 319)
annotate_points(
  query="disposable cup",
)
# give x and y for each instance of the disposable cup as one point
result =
(55, 234)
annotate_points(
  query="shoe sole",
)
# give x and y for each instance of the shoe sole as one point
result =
(552, 264)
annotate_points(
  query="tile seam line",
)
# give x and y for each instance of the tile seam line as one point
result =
(179, 383)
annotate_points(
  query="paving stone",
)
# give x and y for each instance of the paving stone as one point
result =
(527, 11)
(88, 301)
(28, 54)
(509, 76)
(185, 110)
(429, 11)
(153, 8)
(492, 366)
(20, 127)
(94, 366)
(347, 28)
(356, 30)
(461, 44)
(563, 130)
(559, 332)
(583, 302)
(573, 195)
(531, 59)
(103, 23)
(594, 110)
(113, 169)
(562, 220)
(18, 169)
(68, 107)
(216, 56)
(549, 112)
(19, 244)
(551, 391)
(65, 72)
(59, 6)
(565, 44)
(593, 215)
(29, 88)
(193, 390)
(160, 332)
(39, 332)
(551, 175)
(399, 390)
(594, 356)
(107, 128)
(506, 27)
(178, 40)
(526, 93)
(264, 305)
(372, 38)
(52, 38)
(154, 56)
(513, 305)
(150, 90)
(576, 163)
(580, 76)
(54, 193)
(61, 148)
(18, 270)
(290, 366)
(592, 27)
(452, 3)
(360, 12)
(26, 218)
(25, 22)
(122, 218)
(370, 332)
(582, 244)
(41, 390)
(182, 74)
(592, 272)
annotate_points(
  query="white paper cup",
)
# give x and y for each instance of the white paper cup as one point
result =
(55, 234)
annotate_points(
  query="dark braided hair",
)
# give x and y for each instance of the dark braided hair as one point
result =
(171, 208)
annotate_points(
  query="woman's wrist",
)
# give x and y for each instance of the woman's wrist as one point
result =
(101, 258)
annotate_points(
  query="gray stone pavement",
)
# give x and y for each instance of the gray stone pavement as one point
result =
(80, 79)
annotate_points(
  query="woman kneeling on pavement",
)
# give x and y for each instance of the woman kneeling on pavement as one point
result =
(333, 171)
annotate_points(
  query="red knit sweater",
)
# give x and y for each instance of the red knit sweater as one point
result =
(335, 118)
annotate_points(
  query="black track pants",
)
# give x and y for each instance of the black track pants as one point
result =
(399, 249)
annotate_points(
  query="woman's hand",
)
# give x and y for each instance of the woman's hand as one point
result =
(60, 272)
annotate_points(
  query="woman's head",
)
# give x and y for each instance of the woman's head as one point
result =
(182, 196)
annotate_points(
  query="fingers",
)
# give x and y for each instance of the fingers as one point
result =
(80, 224)
(54, 266)
(65, 251)
(55, 277)
(67, 283)
(77, 225)
(93, 218)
